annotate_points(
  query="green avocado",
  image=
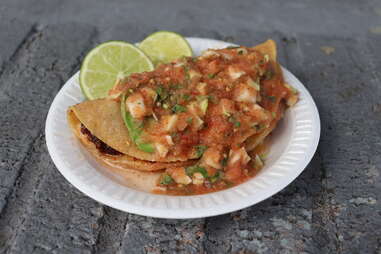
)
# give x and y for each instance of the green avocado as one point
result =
(134, 129)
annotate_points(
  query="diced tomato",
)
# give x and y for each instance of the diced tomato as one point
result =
(218, 131)
(188, 141)
(233, 173)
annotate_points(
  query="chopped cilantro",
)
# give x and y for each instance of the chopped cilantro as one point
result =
(178, 108)
(211, 75)
(175, 86)
(236, 123)
(189, 120)
(271, 98)
(162, 93)
(186, 97)
(186, 71)
(273, 114)
(224, 161)
(166, 179)
(200, 149)
(216, 177)
(174, 135)
(196, 168)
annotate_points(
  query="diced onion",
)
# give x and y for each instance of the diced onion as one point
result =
(198, 178)
(235, 73)
(161, 149)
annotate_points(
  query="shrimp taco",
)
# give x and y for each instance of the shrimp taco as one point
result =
(196, 122)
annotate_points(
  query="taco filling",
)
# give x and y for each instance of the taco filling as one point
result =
(211, 112)
(99, 144)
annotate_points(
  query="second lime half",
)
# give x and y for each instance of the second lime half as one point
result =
(109, 62)
(165, 46)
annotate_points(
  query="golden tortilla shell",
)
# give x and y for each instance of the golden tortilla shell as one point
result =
(121, 162)
(259, 137)
(267, 48)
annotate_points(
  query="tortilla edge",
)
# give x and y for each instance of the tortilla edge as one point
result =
(107, 159)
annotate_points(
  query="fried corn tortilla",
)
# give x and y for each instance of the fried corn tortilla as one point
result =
(278, 106)
(267, 48)
(121, 161)
(103, 118)
(253, 141)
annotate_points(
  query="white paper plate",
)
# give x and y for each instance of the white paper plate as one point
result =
(293, 144)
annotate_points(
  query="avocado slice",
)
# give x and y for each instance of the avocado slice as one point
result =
(134, 129)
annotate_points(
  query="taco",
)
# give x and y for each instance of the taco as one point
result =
(195, 119)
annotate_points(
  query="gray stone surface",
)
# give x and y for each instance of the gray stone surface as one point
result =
(320, 17)
(45, 214)
(149, 235)
(347, 90)
(13, 32)
(28, 85)
(282, 224)
(112, 231)
(333, 207)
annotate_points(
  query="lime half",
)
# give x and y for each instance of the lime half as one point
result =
(164, 47)
(107, 63)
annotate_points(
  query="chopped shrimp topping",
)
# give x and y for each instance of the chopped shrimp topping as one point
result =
(179, 175)
(212, 157)
(205, 109)
(136, 106)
